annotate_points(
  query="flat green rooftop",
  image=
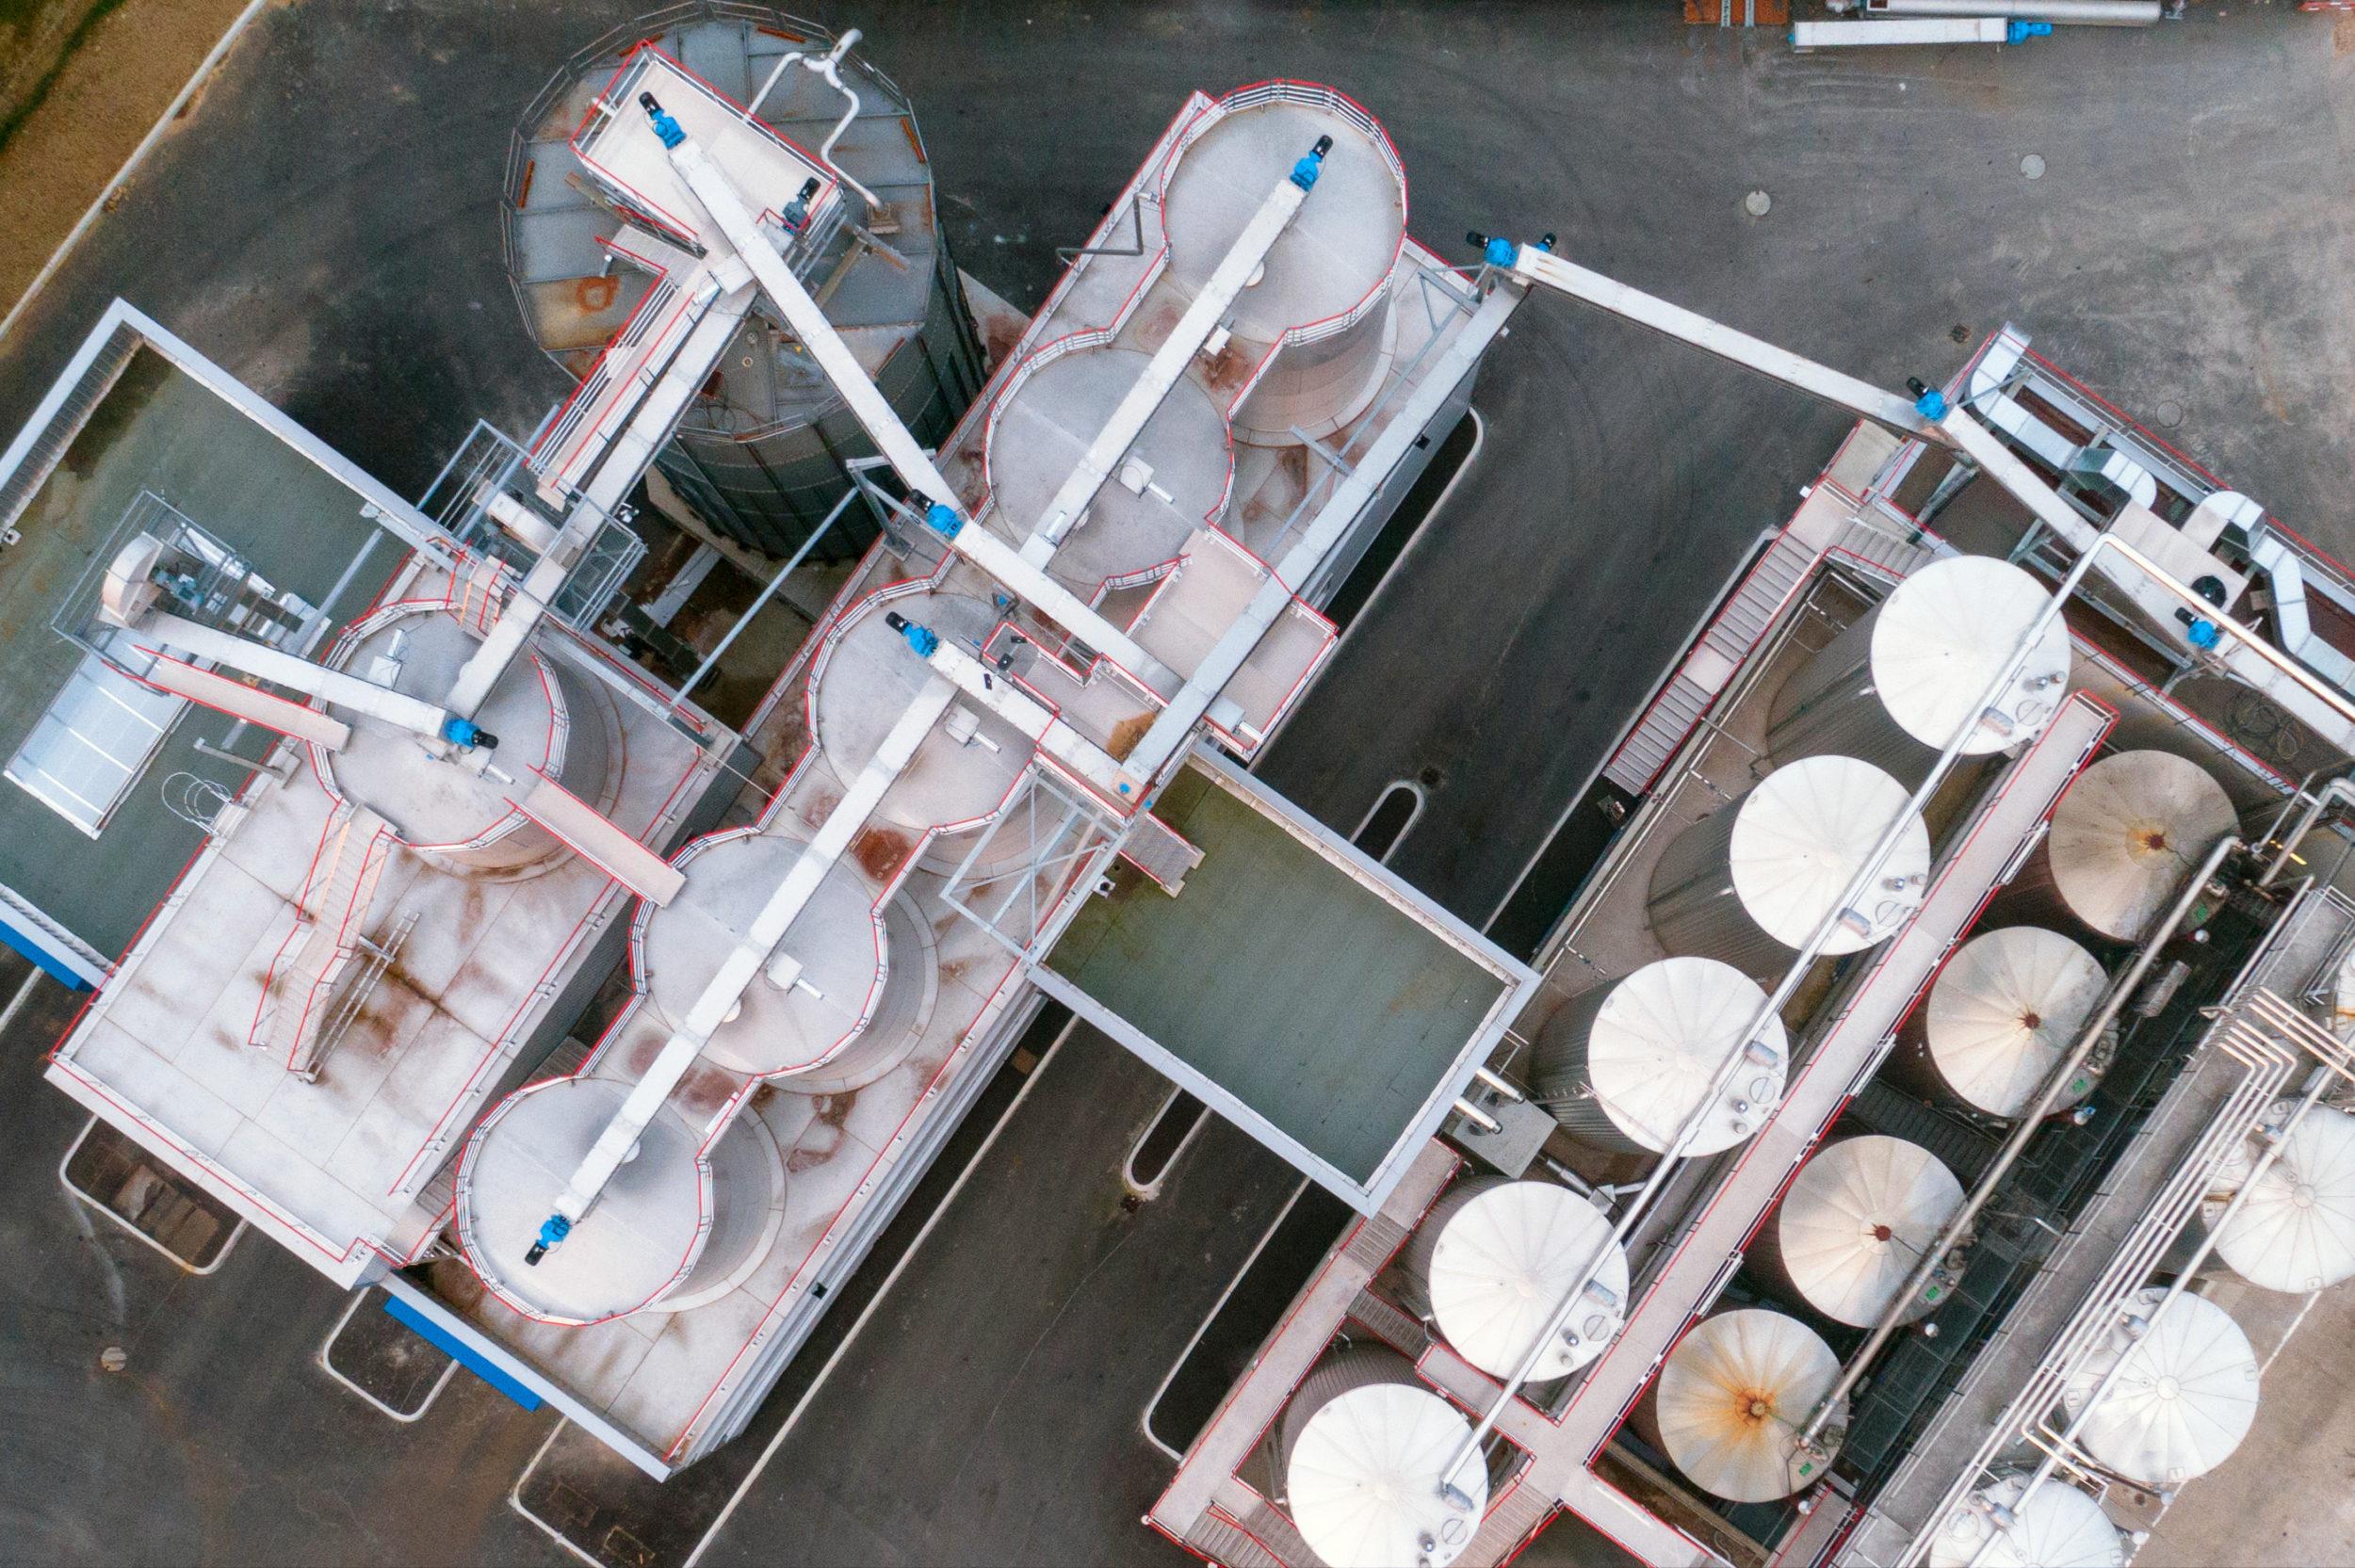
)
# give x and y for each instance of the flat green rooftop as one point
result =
(158, 429)
(1294, 983)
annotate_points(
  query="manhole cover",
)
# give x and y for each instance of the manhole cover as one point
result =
(114, 1358)
(2033, 166)
(1756, 203)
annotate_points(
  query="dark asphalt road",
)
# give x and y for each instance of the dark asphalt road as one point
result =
(323, 223)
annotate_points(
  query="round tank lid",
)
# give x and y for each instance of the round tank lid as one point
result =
(1800, 839)
(867, 681)
(1733, 1397)
(642, 1236)
(1659, 1042)
(2128, 832)
(2295, 1230)
(1173, 480)
(1340, 246)
(1858, 1219)
(812, 998)
(1364, 1480)
(1502, 1267)
(2005, 1010)
(2185, 1395)
(1948, 630)
(2056, 1525)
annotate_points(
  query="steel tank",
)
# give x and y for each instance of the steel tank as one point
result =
(1313, 336)
(1625, 1066)
(2295, 1229)
(2124, 837)
(844, 999)
(1858, 1218)
(761, 454)
(1729, 1403)
(1362, 1452)
(2184, 1398)
(1490, 1262)
(1748, 883)
(2006, 1524)
(2003, 1013)
(462, 814)
(1895, 687)
(679, 1222)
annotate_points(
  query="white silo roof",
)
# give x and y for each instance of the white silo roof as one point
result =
(2056, 1525)
(1860, 1215)
(1733, 1397)
(1659, 1041)
(835, 940)
(2004, 1013)
(1500, 1266)
(2128, 832)
(2295, 1230)
(2184, 1399)
(1364, 1479)
(640, 1237)
(1948, 630)
(1800, 839)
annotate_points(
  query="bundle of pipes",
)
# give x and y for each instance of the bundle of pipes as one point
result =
(1892, 21)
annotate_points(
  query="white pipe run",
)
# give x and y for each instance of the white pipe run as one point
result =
(718, 196)
(827, 66)
(1235, 272)
(1904, 31)
(2088, 13)
(299, 675)
(751, 955)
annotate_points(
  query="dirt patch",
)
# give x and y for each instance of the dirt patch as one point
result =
(881, 852)
(88, 106)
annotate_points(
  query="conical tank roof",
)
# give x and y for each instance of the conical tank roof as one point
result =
(1858, 1219)
(2295, 1230)
(2128, 832)
(1499, 1265)
(1733, 1397)
(1948, 630)
(1363, 1475)
(2004, 1525)
(2185, 1395)
(2004, 1012)
(1804, 834)
(1659, 1042)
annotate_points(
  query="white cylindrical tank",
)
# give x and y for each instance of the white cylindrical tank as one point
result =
(2184, 1398)
(1361, 1450)
(1729, 1404)
(675, 1218)
(1491, 1261)
(1626, 1065)
(1858, 1218)
(1748, 883)
(1322, 301)
(2295, 1229)
(2002, 1013)
(2130, 829)
(2004, 1525)
(857, 970)
(1895, 687)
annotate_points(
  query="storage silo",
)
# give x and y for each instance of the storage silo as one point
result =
(760, 455)
(2005, 1525)
(1362, 1450)
(1322, 301)
(2184, 1398)
(2295, 1230)
(677, 1216)
(1748, 883)
(2002, 1013)
(1895, 687)
(549, 719)
(1729, 1403)
(1491, 1262)
(1625, 1066)
(1174, 478)
(844, 995)
(2129, 831)
(1858, 1218)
